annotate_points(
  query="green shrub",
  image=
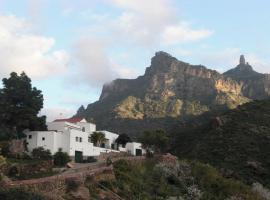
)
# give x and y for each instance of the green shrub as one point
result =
(61, 158)
(41, 153)
(13, 171)
(217, 187)
(19, 194)
(4, 146)
(2, 160)
(72, 184)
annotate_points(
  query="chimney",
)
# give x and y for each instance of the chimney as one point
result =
(242, 60)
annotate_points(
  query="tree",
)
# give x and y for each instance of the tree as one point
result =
(2, 160)
(98, 138)
(61, 158)
(41, 153)
(123, 139)
(20, 104)
(156, 141)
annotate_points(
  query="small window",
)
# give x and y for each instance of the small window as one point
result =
(83, 129)
(77, 139)
(80, 139)
(29, 136)
(43, 138)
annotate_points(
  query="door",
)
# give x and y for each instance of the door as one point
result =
(138, 152)
(78, 156)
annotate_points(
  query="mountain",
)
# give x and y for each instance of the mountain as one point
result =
(237, 142)
(254, 85)
(170, 92)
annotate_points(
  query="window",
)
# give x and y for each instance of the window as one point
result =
(43, 138)
(77, 139)
(80, 139)
(29, 136)
(83, 129)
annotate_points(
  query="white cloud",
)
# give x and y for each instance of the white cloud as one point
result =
(183, 33)
(93, 64)
(258, 64)
(153, 22)
(228, 58)
(21, 50)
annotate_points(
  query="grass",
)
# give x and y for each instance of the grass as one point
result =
(35, 176)
(22, 161)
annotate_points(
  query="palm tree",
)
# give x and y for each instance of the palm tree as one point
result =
(98, 138)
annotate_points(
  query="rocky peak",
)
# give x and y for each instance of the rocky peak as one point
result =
(242, 60)
(242, 71)
(160, 62)
(80, 111)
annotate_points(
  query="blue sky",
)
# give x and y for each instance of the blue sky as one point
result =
(71, 48)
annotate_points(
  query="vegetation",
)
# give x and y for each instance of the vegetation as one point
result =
(2, 160)
(152, 179)
(156, 141)
(19, 194)
(61, 158)
(20, 104)
(123, 139)
(98, 138)
(236, 142)
(41, 153)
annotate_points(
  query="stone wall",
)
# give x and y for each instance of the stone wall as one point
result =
(48, 184)
(28, 168)
(16, 147)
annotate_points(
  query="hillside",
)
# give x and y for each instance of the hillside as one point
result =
(237, 142)
(170, 92)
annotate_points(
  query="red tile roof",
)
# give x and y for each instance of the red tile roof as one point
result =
(70, 120)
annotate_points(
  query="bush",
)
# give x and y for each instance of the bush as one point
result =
(61, 158)
(4, 146)
(19, 194)
(2, 160)
(41, 153)
(72, 184)
(13, 171)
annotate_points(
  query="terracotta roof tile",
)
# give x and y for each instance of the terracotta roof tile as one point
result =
(70, 120)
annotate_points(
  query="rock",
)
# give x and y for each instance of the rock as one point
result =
(70, 165)
(168, 158)
(175, 90)
(242, 60)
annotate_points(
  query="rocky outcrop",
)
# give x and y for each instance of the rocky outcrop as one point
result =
(174, 89)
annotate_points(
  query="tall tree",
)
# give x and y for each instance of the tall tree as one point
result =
(20, 104)
(156, 141)
(98, 138)
(123, 139)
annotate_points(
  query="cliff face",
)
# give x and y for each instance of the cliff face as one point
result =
(172, 89)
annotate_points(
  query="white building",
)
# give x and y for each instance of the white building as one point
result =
(73, 137)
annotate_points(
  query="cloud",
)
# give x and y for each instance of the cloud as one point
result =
(22, 50)
(183, 33)
(93, 64)
(153, 22)
(228, 58)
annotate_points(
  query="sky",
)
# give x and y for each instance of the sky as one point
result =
(71, 48)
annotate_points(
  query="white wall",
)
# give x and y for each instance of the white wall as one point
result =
(43, 139)
(111, 137)
(132, 146)
(89, 127)
(83, 146)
